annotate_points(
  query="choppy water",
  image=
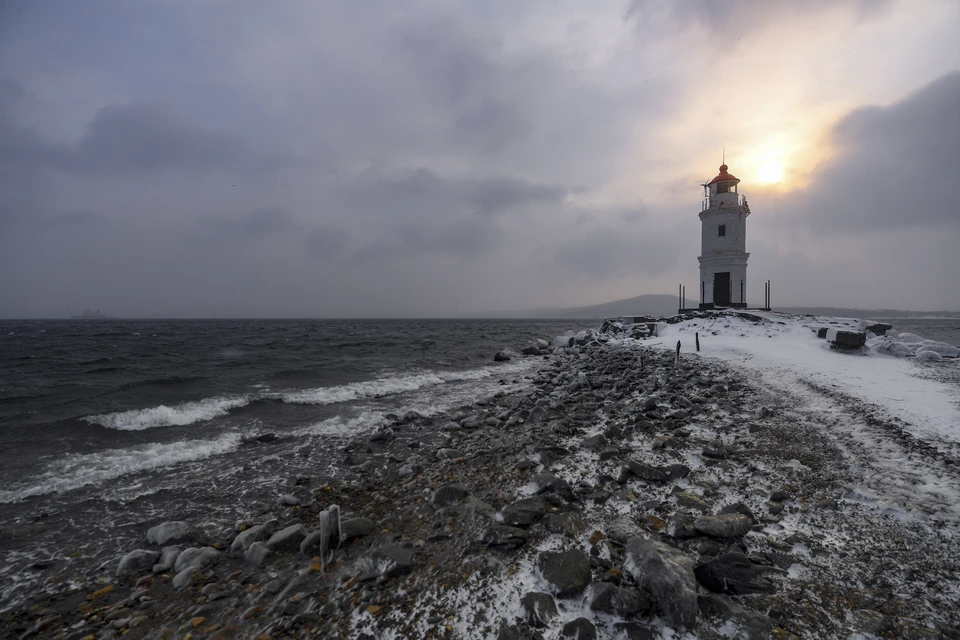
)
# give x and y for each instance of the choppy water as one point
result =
(108, 426)
(944, 330)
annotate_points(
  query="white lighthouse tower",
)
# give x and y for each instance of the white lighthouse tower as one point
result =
(723, 254)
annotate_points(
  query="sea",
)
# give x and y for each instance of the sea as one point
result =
(107, 426)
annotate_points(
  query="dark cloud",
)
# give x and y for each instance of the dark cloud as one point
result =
(326, 241)
(895, 166)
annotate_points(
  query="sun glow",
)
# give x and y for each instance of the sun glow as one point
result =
(770, 172)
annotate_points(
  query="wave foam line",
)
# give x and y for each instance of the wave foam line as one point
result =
(164, 416)
(80, 470)
(387, 386)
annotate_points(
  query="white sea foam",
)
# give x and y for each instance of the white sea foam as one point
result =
(390, 386)
(75, 471)
(164, 416)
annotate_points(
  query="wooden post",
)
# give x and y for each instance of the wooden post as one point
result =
(680, 295)
(676, 362)
(697, 336)
(683, 296)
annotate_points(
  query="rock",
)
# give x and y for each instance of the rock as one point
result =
(501, 356)
(518, 632)
(609, 598)
(871, 622)
(635, 631)
(531, 350)
(725, 525)
(257, 554)
(525, 512)
(168, 555)
(564, 524)
(622, 529)
(667, 574)
(846, 340)
(692, 501)
(137, 562)
(780, 496)
(646, 472)
(594, 443)
(450, 494)
(449, 454)
(504, 537)
(191, 562)
(879, 328)
(579, 629)
(749, 625)
(288, 539)
(289, 500)
(390, 561)
(733, 573)
(538, 609)
(356, 528)
(246, 538)
(172, 533)
(739, 507)
(549, 483)
(681, 527)
(715, 449)
(568, 572)
(381, 435)
(608, 453)
(538, 414)
(676, 471)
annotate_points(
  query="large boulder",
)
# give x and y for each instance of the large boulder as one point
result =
(734, 574)
(609, 598)
(170, 533)
(568, 572)
(390, 561)
(168, 555)
(288, 539)
(257, 554)
(667, 575)
(450, 494)
(244, 539)
(846, 340)
(137, 562)
(725, 525)
(525, 512)
(579, 629)
(191, 562)
(538, 609)
(356, 528)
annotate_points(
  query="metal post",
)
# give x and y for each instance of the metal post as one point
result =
(741, 292)
(683, 295)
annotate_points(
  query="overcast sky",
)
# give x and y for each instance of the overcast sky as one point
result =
(396, 158)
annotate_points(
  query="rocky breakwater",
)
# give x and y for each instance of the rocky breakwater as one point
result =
(616, 495)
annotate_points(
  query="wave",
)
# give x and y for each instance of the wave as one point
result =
(80, 470)
(387, 386)
(164, 416)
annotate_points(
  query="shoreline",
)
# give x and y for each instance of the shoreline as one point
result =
(630, 455)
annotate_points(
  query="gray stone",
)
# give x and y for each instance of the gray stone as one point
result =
(715, 449)
(288, 539)
(538, 609)
(501, 356)
(579, 629)
(567, 571)
(190, 563)
(635, 631)
(749, 625)
(733, 573)
(870, 621)
(676, 471)
(848, 339)
(137, 562)
(621, 529)
(538, 414)
(594, 443)
(725, 525)
(449, 454)
(667, 575)
(390, 561)
(246, 538)
(168, 555)
(170, 533)
(608, 453)
(504, 537)
(524, 513)
(257, 554)
(681, 527)
(549, 483)
(289, 499)
(564, 524)
(780, 496)
(646, 472)
(518, 632)
(692, 501)
(356, 528)
(450, 494)
(739, 507)
(609, 598)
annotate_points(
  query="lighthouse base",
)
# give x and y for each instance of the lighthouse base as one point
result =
(732, 305)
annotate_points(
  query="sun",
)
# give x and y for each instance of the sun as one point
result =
(770, 172)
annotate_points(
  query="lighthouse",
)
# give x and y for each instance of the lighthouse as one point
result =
(723, 246)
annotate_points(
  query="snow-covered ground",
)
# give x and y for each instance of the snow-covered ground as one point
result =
(904, 412)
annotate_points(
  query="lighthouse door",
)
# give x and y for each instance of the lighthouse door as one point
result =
(721, 289)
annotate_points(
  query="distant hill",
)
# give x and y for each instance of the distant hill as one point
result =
(645, 305)
(666, 305)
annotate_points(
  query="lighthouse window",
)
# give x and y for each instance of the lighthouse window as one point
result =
(721, 187)
(722, 230)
